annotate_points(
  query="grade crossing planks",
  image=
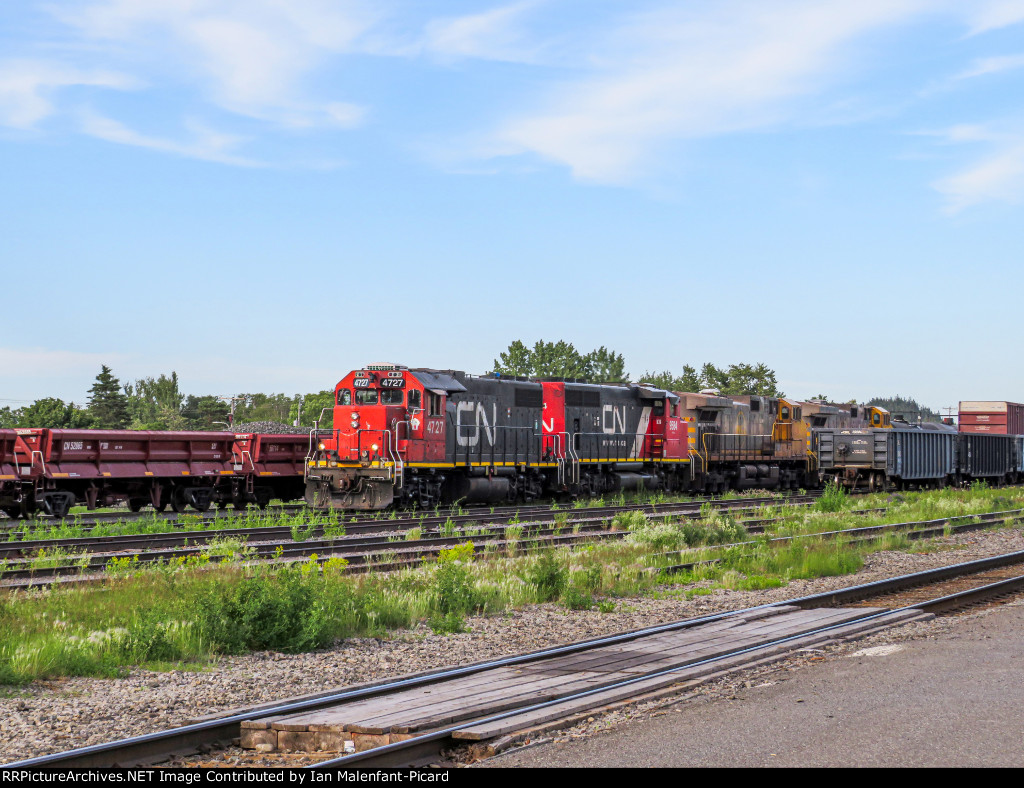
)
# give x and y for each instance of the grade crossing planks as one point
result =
(381, 720)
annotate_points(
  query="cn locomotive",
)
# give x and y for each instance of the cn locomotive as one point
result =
(420, 437)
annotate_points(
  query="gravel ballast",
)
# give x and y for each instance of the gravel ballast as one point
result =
(52, 716)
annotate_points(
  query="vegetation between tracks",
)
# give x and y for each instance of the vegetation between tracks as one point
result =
(198, 608)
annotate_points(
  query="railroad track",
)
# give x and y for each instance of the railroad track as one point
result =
(19, 566)
(403, 518)
(651, 660)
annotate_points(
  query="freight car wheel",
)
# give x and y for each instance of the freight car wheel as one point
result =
(263, 497)
(136, 504)
(14, 512)
(179, 501)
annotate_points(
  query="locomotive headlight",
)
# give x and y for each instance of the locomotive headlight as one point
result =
(320, 446)
(375, 447)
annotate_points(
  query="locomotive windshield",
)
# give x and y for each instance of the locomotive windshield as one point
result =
(344, 397)
(367, 396)
(391, 397)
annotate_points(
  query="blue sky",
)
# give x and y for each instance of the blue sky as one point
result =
(264, 194)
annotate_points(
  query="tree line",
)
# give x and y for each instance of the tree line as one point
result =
(160, 404)
(562, 360)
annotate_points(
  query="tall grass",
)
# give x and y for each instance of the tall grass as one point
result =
(217, 603)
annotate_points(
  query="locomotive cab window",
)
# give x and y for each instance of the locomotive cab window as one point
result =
(391, 396)
(414, 399)
(784, 413)
(344, 397)
(367, 396)
(433, 404)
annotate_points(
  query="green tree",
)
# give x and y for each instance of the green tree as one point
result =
(908, 407)
(561, 360)
(558, 360)
(312, 406)
(517, 361)
(203, 413)
(735, 380)
(156, 403)
(605, 366)
(688, 381)
(54, 413)
(263, 407)
(108, 406)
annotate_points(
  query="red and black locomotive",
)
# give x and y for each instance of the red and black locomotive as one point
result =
(420, 436)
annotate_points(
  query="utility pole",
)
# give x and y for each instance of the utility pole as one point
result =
(232, 400)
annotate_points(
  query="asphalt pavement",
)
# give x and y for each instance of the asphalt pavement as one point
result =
(955, 698)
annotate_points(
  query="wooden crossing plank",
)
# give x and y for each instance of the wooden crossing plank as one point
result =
(491, 730)
(505, 688)
(525, 695)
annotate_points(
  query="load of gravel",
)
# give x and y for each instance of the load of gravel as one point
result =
(269, 428)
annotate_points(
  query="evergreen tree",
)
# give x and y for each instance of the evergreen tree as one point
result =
(108, 406)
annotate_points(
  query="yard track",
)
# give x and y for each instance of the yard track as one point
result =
(363, 539)
(426, 747)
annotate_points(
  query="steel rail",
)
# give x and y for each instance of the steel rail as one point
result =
(378, 525)
(164, 743)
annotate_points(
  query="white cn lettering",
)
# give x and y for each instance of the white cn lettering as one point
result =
(465, 440)
(613, 420)
(472, 431)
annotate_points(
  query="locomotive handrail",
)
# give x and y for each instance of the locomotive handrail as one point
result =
(396, 456)
(479, 449)
(737, 452)
(634, 453)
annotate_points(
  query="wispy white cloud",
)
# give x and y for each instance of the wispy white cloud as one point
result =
(997, 176)
(679, 74)
(27, 88)
(987, 15)
(495, 34)
(249, 56)
(993, 65)
(206, 144)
